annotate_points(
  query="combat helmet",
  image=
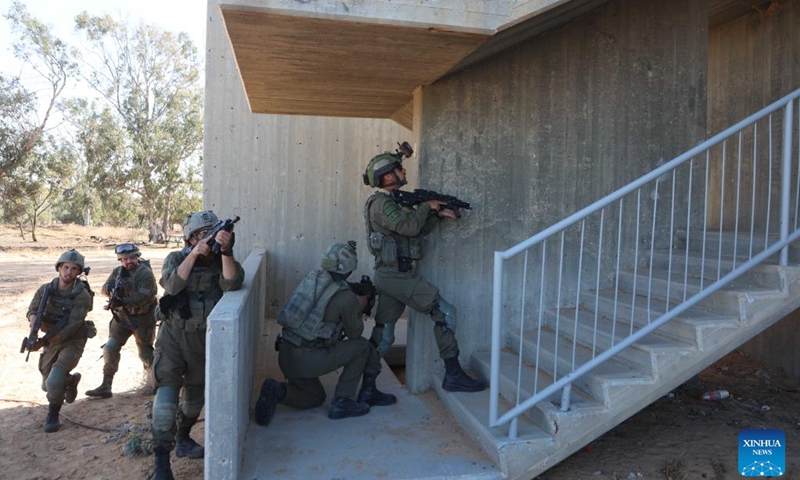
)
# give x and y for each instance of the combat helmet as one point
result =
(71, 256)
(198, 221)
(379, 166)
(340, 258)
(127, 250)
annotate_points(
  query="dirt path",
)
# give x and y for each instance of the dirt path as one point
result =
(94, 432)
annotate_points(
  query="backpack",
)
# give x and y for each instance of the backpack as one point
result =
(303, 313)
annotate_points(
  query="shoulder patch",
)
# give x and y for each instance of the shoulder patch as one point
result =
(391, 210)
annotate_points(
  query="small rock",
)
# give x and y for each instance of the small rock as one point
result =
(631, 476)
(598, 472)
(765, 408)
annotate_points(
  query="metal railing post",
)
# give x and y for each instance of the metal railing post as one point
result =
(786, 179)
(494, 376)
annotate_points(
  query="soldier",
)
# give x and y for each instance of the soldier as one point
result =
(321, 312)
(68, 300)
(131, 288)
(394, 235)
(194, 280)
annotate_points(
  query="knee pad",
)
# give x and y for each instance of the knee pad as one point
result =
(193, 400)
(111, 349)
(146, 355)
(444, 314)
(387, 340)
(165, 408)
(56, 382)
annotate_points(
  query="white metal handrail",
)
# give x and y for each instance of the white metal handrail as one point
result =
(714, 155)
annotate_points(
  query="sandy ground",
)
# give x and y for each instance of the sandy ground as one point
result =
(676, 438)
(94, 432)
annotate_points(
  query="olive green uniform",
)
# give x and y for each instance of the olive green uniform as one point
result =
(180, 351)
(395, 239)
(135, 315)
(60, 357)
(303, 361)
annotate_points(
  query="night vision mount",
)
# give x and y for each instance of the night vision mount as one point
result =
(403, 150)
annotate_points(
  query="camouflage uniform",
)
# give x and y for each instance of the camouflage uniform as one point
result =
(138, 295)
(321, 312)
(59, 358)
(394, 236)
(304, 361)
(180, 351)
(396, 278)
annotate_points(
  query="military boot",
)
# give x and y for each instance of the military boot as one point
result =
(104, 390)
(272, 393)
(72, 388)
(455, 380)
(370, 394)
(185, 446)
(343, 407)
(51, 423)
(163, 469)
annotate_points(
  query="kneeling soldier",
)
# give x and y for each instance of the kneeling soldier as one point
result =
(320, 314)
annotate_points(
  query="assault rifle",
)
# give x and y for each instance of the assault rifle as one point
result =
(365, 288)
(226, 225)
(114, 301)
(29, 343)
(411, 199)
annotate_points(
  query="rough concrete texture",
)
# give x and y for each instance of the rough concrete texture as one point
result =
(753, 62)
(536, 133)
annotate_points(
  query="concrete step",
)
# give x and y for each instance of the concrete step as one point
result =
(472, 412)
(693, 326)
(555, 356)
(739, 244)
(687, 264)
(601, 333)
(545, 415)
(736, 298)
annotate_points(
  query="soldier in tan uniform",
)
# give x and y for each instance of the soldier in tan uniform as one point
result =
(131, 288)
(69, 299)
(322, 326)
(394, 236)
(194, 280)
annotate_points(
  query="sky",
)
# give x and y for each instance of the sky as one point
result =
(171, 15)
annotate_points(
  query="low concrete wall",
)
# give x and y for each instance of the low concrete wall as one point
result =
(233, 330)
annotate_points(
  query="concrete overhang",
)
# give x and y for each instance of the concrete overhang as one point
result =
(359, 58)
(364, 58)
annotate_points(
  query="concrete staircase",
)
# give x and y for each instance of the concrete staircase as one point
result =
(641, 373)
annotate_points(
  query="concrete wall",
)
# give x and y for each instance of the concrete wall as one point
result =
(536, 133)
(753, 61)
(234, 328)
(295, 181)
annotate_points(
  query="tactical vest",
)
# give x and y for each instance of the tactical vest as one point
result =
(130, 285)
(386, 245)
(60, 304)
(302, 316)
(204, 292)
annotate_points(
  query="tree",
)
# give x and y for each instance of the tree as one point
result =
(40, 183)
(23, 171)
(147, 139)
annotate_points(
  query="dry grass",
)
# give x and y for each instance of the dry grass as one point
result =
(674, 469)
(67, 236)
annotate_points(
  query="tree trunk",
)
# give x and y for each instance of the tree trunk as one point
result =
(21, 231)
(165, 225)
(33, 227)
